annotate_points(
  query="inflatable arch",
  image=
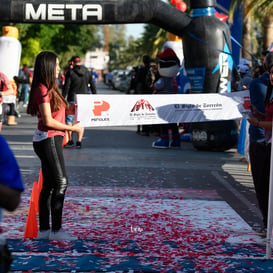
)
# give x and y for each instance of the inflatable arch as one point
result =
(206, 40)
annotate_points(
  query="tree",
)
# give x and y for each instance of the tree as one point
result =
(130, 52)
(64, 40)
(117, 45)
(153, 39)
(256, 12)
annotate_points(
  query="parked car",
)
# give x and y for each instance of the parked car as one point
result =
(117, 77)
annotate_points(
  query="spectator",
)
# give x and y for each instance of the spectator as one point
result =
(144, 81)
(5, 91)
(257, 92)
(25, 79)
(110, 78)
(245, 76)
(261, 153)
(77, 81)
(94, 74)
(11, 187)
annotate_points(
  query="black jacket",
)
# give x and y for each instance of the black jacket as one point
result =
(77, 81)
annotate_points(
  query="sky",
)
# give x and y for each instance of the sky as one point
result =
(135, 30)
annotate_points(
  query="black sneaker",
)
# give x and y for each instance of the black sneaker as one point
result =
(69, 144)
(78, 145)
(262, 232)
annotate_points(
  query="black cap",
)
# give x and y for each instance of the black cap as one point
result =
(194, 4)
(76, 59)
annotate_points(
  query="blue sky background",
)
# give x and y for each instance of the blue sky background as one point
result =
(135, 30)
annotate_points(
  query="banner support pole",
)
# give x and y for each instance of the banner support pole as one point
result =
(270, 207)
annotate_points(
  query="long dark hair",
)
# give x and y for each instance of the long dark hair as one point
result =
(45, 73)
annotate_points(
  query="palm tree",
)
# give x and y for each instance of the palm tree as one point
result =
(260, 12)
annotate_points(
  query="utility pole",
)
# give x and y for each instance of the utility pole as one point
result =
(106, 37)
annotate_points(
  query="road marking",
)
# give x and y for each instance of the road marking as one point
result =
(237, 194)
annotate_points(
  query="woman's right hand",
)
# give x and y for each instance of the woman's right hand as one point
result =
(77, 128)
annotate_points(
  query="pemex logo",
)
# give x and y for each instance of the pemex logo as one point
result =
(142, 105)
(99, 107)
(245, 107)
(247, 103)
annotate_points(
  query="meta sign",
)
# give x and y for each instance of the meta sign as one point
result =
(156, 12)
(62, 12)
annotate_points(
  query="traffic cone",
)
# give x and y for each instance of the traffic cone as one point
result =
(66, 138)
(248, 167)
(31, 229)
(35, 196)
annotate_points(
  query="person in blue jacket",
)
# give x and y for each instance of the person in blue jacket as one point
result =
(257, 146)
(11, 187)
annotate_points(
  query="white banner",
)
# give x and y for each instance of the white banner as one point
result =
(119, 110)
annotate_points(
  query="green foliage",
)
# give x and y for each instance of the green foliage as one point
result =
(150, 43)
(257, 14)
(33, 47)
(64, 40)
(73, 39)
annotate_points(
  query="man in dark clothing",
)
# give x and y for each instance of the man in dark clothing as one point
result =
(144, 85)
(77, 81)
(141, 84)
(257, 146)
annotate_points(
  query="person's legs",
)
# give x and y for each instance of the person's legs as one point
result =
(60, 183)
(11, 115)
(69, 120)
(40, 149)
(25, 90)
(163, 141)
(54, 181)
(257, 155)
(79, 139)
(176, 142)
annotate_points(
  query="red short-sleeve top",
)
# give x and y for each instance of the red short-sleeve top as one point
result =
(41, 96)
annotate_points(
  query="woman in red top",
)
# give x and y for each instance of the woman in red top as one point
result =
(46, 102)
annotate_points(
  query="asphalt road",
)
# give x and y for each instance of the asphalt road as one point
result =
(118, 157)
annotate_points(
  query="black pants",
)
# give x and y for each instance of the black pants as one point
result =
(260, 154)
(10, 109)
(50, 152)
(164, 130)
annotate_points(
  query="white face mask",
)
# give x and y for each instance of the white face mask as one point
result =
(169, 71)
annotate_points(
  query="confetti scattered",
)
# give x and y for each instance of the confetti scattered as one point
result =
(142, 230)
